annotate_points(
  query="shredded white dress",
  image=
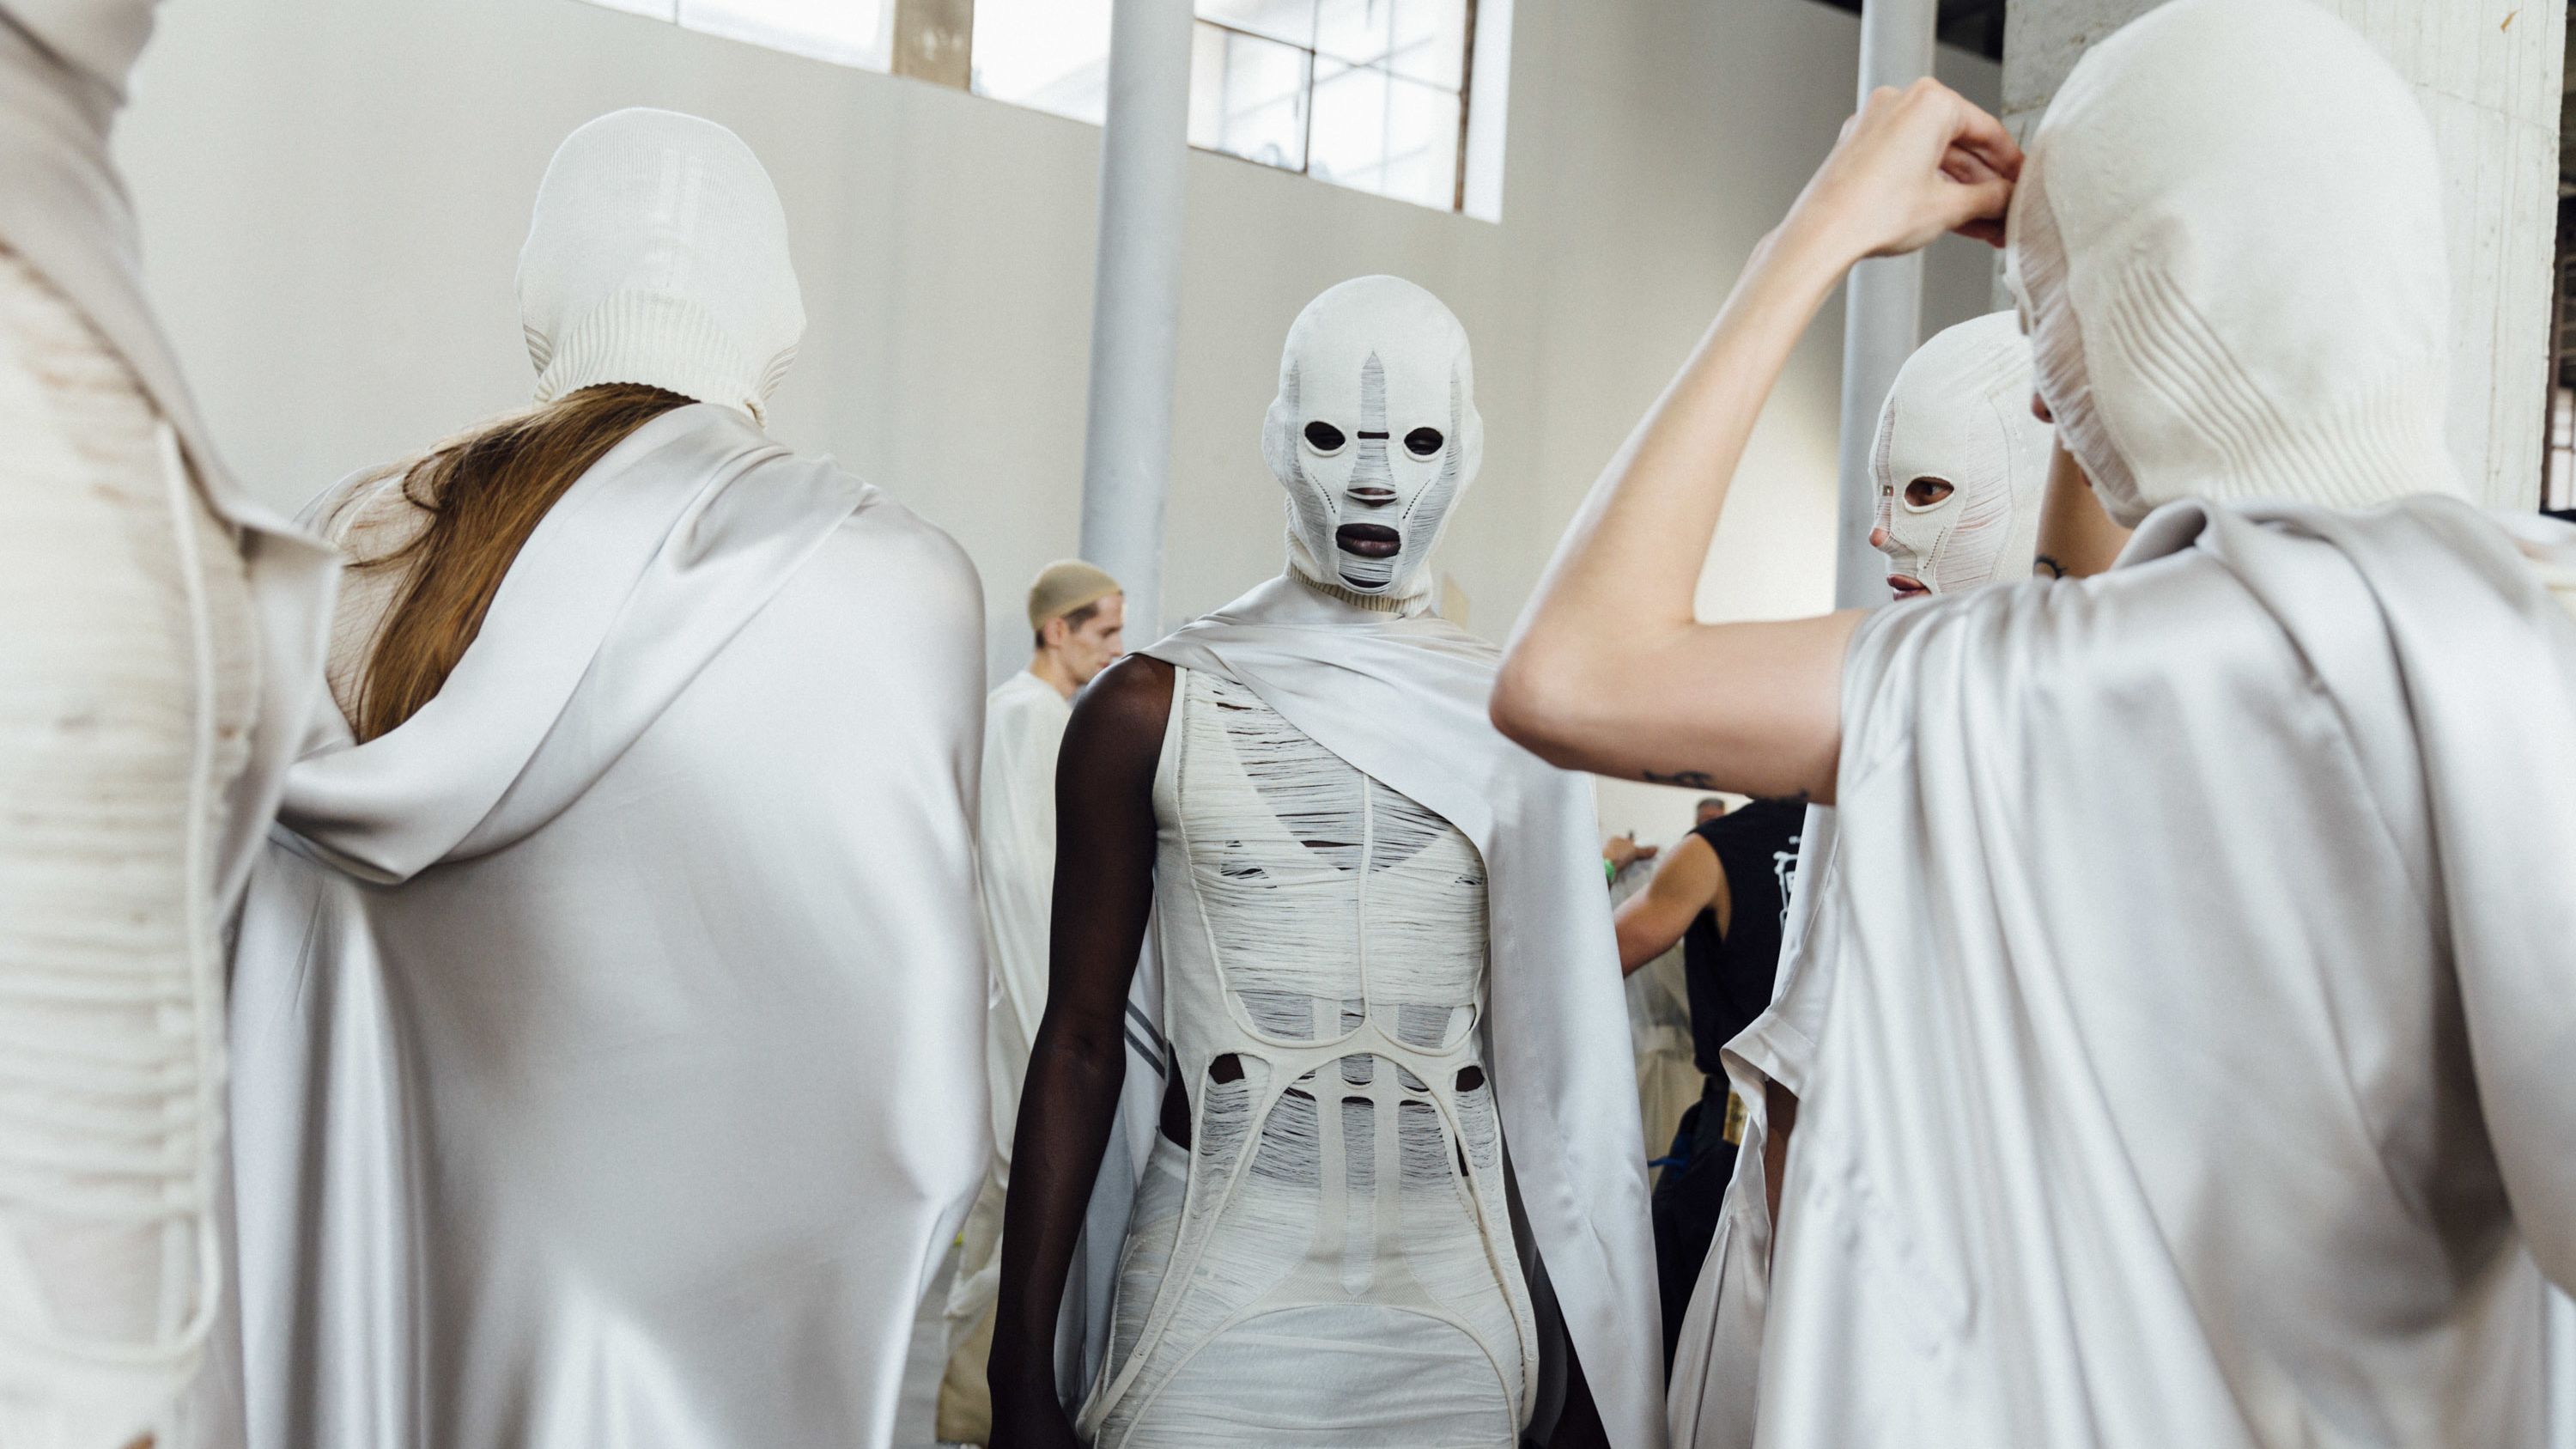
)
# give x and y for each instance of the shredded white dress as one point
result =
(1332, 1260)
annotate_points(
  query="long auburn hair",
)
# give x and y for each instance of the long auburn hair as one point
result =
(485, 493)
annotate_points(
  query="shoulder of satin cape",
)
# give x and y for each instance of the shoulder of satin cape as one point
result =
(643, 570)
(1402, 700)
(2428, 627)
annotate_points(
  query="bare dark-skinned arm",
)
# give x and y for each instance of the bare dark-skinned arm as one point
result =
(1104, 892)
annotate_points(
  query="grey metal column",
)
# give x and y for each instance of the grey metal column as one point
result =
(1882, 315)
(1136, 301)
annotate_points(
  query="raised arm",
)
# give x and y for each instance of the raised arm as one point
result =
(1610, 671)
(1104, 891)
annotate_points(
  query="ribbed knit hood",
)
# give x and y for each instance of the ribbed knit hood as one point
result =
(658, 255)
(2228, 242)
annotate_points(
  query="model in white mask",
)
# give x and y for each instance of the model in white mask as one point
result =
(1373, 441)
(1961, 462)
(1381, 966)
(610, 1004)
(1959, 417)
(2195, 1066)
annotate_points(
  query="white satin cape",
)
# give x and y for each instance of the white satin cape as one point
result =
(1404, 701)
(2196, 1064)
(608, 1037)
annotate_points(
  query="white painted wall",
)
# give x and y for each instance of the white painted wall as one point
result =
(333, 195)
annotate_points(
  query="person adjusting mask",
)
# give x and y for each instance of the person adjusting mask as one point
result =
(610, 1002)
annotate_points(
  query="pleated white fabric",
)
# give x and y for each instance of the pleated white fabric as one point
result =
(131, 675)
(609, 1034)
(2194, 1072)
(1402, 698)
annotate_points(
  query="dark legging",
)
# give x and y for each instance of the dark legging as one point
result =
(1687, 1200)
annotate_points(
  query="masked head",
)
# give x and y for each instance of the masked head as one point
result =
(658, 255)
(1961, 464)
(2228, 242)
(1374, 434)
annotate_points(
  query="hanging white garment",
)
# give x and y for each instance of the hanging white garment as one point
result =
(2194, 1072)
(1659, 1031)
(1024, 720)
(1402, 700)
(608, 1034)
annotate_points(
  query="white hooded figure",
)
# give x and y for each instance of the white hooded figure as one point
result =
(1381, 966)
(1961, 466)
(1961, 462)
(2195, 1069)
(609, 1025)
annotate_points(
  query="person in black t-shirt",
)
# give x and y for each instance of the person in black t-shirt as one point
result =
(1723, 892)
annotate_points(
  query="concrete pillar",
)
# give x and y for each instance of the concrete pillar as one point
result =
(1136, 301)
(2488, 75)
(1882, 316)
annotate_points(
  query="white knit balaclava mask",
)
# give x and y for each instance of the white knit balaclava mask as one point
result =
(2228, 245)
(1961, 463)
(1374, 434)
(658, 255)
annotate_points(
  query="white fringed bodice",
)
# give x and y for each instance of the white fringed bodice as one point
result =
(1334, 1248)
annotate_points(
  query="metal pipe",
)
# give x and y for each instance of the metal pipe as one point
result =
(1882, 316)
(1136, 301)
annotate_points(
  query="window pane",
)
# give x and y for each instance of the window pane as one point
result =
(1384, 134)
(1052, 55)
(1422, 39)
(853, 32)
(1431, 41)
(1248, 97)
(1290, 20)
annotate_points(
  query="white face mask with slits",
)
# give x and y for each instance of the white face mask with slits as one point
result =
(1374, 434)
(1961, 463)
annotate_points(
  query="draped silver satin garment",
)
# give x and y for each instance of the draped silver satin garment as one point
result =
(1403, 700)
(609, 1035)
(2196, 1063)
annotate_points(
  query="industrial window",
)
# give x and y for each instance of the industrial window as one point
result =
(1371, 94)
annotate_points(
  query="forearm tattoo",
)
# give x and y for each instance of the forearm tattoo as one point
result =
(2055, 569)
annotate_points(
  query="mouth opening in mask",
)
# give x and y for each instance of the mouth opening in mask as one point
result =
(1368, 540)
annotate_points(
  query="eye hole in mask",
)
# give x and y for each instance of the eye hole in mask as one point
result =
(1423, 442)
(1324, 438)
(1925, 493)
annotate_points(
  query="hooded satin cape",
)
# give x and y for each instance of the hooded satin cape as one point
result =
(1403, 699)
(608, 1036)
(2195, 1071)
